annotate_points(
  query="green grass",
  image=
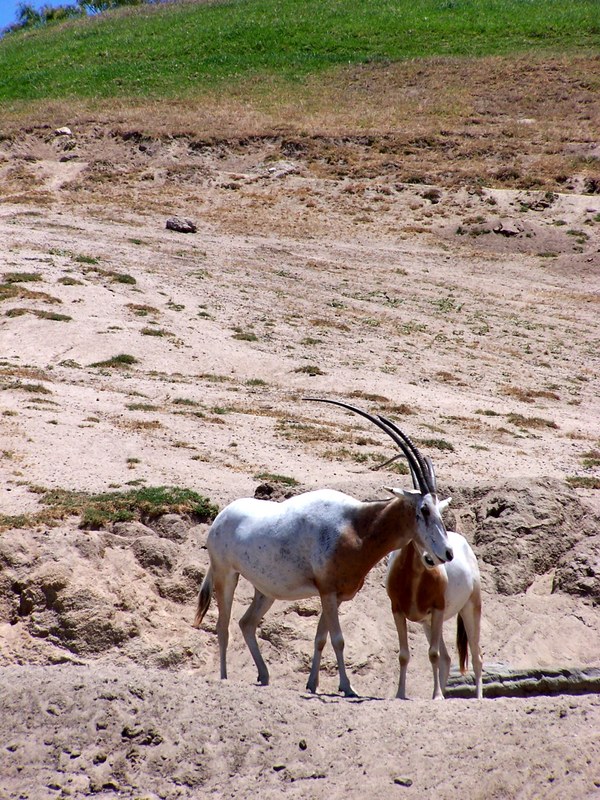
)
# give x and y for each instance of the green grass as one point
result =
(310, 369)
(98, 510)
(154, 332)
(174, 50)
(273, 477)
(52, 315)
(122, 360)
(21, 277)
(245, 336)
(31, 388)
(583, 482)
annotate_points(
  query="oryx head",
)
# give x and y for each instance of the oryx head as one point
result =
(431, 539)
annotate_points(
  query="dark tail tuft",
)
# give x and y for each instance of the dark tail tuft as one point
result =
(204, 598)
(461, 644)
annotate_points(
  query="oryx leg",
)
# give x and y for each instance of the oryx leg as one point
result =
(225, 584)
(320, 641)
(332, 620)
(445, 662)
(433, 631)
(249, 622)
(403, 652)
(471, 617)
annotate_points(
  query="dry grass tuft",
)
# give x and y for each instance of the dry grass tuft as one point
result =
(529, 395)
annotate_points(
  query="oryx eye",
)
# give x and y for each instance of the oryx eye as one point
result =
(426, 512)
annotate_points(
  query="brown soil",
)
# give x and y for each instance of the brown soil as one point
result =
(437, 262)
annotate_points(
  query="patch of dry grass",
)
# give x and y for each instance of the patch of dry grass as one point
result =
(529, 395)
(530, 422)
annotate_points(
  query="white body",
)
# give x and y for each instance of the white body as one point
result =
(431, 597)
(321, 542)
(281, 548)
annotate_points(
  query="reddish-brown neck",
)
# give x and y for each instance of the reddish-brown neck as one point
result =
(386, 525)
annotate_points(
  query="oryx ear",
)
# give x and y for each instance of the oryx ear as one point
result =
(397, 492)
(443, 504)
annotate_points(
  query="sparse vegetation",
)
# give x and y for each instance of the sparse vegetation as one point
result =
(310, 369)
(154, 332)
(446, 305)
(68, 280)
(213, 377)
(530, 395)
(591, 459)
(21, 277)
(141, 310)
(438, 444)
(583, 482)
(11, 291)
(372, 398)
(272, 477)
(221, 410)
(121, 360)
(530, 422)
(99, 510)
(245, 336)
(306, 432)
(51, 315)
(83, 259)
(31, 388)
(120, 277)
(310, 340)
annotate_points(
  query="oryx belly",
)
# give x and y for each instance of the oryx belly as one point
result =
(281, 548)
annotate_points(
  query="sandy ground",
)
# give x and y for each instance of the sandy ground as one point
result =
(467, 313)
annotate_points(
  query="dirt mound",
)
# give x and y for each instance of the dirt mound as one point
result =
(73, 593)
(578, 571)
(129, 590)
(525, 529)
(105, 732)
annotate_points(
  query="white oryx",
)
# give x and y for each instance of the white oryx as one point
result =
(322, 542)
(430, 596)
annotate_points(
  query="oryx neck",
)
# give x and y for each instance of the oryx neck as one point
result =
(389, 523)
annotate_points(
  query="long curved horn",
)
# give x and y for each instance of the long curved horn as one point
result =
(431, 470)
(425, 462)
(391, 461)
(417, 465)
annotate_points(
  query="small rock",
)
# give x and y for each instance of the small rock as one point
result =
(433, 195)
(506, 230)
(263, 491)
(181, 225)
(281, 168)
(403, 782)
(63, 131)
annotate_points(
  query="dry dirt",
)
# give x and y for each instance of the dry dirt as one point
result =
(448, 279)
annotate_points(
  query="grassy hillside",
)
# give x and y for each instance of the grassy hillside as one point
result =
(180, 49)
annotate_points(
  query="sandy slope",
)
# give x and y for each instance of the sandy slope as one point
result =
(469, 315)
